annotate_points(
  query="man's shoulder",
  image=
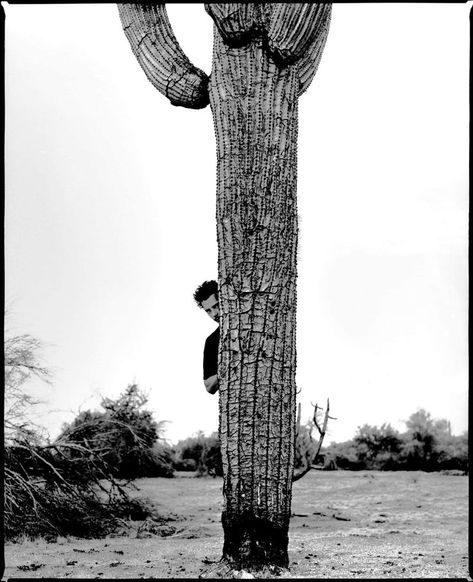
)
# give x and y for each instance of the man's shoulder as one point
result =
(214, 336)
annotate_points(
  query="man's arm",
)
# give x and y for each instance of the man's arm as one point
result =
(211, 384)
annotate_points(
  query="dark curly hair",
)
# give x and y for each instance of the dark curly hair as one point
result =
(205, 290)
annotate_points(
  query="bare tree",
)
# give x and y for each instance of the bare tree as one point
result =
(22, 362)
(265, 56)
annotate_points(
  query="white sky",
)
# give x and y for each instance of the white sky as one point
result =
(110, 215)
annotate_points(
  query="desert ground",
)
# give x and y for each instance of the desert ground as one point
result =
(345, 524)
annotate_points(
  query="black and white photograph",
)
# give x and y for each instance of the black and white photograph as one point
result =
(236, 290)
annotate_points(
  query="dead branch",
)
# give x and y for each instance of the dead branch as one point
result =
(312, 449)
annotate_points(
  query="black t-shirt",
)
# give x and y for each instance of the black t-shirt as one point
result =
(211, 354)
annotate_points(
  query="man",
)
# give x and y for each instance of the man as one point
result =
(206, 297)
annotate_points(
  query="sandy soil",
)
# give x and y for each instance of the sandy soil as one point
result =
(345, 525)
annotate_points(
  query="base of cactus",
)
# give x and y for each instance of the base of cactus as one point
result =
(253, 543)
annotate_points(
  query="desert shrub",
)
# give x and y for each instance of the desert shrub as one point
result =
(452, 453)
(428, 445)
(159, 463)
(213, 457)
(418, 450)
(199, 453)
(126, 435)
(377, 447)
(345, 455)
(184, 465)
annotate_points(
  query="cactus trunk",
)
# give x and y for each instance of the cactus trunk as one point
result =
(265, 57)
(254, 106)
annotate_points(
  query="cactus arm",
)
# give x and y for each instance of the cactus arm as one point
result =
(235, 22)
(155, 46)
(292, 30)
(309, 63)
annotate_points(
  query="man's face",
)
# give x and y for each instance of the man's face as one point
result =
(210, 306)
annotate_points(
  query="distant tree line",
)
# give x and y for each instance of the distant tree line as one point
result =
(426, 445)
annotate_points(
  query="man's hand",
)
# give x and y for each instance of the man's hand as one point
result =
(211, 384)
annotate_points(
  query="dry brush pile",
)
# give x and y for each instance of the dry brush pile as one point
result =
(63, 489)
(79, 484)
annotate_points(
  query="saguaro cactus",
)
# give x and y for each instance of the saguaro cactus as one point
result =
(264, 58)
